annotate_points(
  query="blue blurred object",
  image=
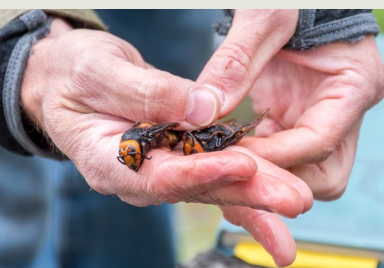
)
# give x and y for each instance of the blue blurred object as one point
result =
(49, 217)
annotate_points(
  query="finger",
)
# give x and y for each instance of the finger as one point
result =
(266, 228)
(192, 176)
(195, 174)
(328, 179)
(263, 191)
(313, 139)
(271, 189)
(173, 178)
(135, 93)
(325, 171)
(270, 170)
(255, 37)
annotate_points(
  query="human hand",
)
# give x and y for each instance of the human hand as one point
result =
(317, 98)
(85, 88)
(254, 38)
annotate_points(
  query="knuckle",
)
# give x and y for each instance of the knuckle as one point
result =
(210, 198)
(231, 63)
(154, 89)
(83, 70)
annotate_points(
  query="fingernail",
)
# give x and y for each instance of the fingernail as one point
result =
(202, 107)
(219, 92)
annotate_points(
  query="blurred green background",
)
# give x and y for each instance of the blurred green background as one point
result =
(379, 14)
(196, 224)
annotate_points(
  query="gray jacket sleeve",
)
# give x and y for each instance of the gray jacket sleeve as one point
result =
(17, 35)
(318, 27)
(17, 133)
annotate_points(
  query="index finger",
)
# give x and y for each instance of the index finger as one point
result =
(271, 189)
(266, 228)
(254, 38)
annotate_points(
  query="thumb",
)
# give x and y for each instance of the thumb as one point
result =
(136, 93)
(255, 37)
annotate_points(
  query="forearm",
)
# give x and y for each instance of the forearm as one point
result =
(33, 88)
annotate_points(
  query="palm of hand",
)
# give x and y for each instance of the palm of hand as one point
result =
(317, 100)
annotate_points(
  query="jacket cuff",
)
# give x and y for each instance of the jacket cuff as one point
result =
(19, 135)
(20, 30)
(223, 25)
(320, 27)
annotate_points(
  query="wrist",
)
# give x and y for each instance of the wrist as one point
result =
(36, 76)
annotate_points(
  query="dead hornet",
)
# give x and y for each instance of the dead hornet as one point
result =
(217, 137)
(143, 136)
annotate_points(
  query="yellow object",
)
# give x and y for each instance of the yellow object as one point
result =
(255, 254)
